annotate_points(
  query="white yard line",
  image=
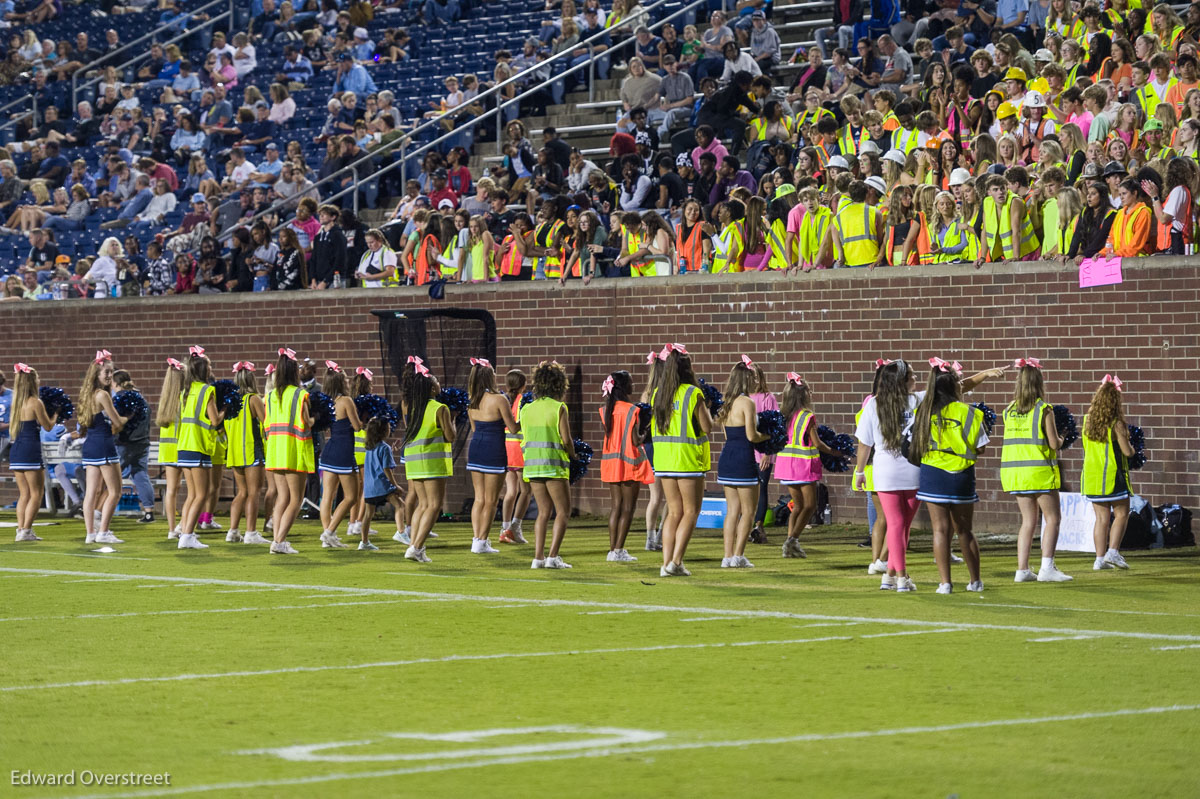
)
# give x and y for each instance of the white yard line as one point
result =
(651, 748)
(1054, 638)
(711, 618)
(189, 612)
(648, 607)
(985, 603)
(493, 579)
(1169, 648)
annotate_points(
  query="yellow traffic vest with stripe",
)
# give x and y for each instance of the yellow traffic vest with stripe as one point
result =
(952, 237)
(905, 140)
(759, 127)
(813, 228)
(735, 250)
(428, 455)
(869, 469)
(807, 117)
(1027, 461)
(998, 225)
(542, 446)
(240, 434)
(195, 432)
(954, 434)
(543, 236)
(289, 441)
(848, 143)
(1149, 99)
(777, 239)
(360, 448)
(681, 450)
(1102, 462)
(855, 225)
(451, 269)
(168, 445)
(633, 242)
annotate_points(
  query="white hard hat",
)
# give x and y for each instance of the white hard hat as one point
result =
(876, 183)
(959, 176)
(1034, 99)
(897, 156)
(837, 162)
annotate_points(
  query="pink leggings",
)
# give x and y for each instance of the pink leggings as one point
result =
(899, 509)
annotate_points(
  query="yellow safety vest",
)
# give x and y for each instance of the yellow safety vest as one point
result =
(759, 126)
(869, 469)
(855, 225)
(1149, 99)
(632, 242)
(681, 450)
(796, 449)
(952, 237)
(1102, 462)
(447, 269)
(954, 434)
(998, 225)
(428, 455)
(196, 434)
(542, 446)
(168, 445)
(360, 448)
(848, 143)
(241, 432)
(905, 140)
(289, 441)
(812, 232)
(735, 252)
(1027, 461)
(543, 236)
(777, 239)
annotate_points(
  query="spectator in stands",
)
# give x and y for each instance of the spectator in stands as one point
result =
(245, 57)
(187, 140)
(546, 182)
(898, 68)
(328, 251)
(159, 277)
(676, 97)
(11, 187)
(647, 47)
(639, 90)
(258, 132)
(713, 41)
(134, 203)
(240, 170)
(283, 107)
(352, 77)
(159, 171)
(161, 203)
(297, 70)
(72, 216)
(13, 290)
(54, 168)
(441, 12)
(222, 72)
(737, 61)
(592, 26)
(635, 187)
(102, 276)
(765, 46)
(722, 114)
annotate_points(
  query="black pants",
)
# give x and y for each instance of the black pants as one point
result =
(764, 480)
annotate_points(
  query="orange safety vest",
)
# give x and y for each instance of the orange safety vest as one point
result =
(426, 264)
(622, 460)
(510, 263)
(924, 250)
(512, 441)
(1122, 229)
(1189, 227)
(691, 252)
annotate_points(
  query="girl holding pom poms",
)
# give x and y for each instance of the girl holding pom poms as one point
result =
(246, 454)
(548, 450)
(680, 426)
(199, 421)
(798, 465)
(28, 413)
(517, 492)
(360, 384)
(1029, 470)
(1105, 482)
(338, 466)
(657, 503)
(487, 456)
(289, 447)
(947, 437)
(427, 436)
(101, 419)
(168, 441)
(623, 464)
(764, 400)
(737, 470)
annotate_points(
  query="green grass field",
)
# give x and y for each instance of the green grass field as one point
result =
(345, 673)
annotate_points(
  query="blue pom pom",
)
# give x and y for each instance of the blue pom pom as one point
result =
(1064, 421)
(371, 405)
(579, 464)
(989, 417)
(842, 444)
(58, 403)
(774, 425)
(229, 398)
(132, 405)
(320, 407)
(526, 398)
(457, 400)
(712, 396)
(1138, 439)
(645, 414)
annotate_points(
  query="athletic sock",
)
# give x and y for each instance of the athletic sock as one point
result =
(1047, 563)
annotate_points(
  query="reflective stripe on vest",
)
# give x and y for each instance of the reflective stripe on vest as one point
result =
(551, 262)
(428, 455)
(240, 436)
(796, 448)
(954, 450)
(1101, 465)
(544, 450)
(905, 140)
(289, 441)
(1027, 462)
(631, 418)
(859, 245)
(735, 249)
(196, 433)
(680, 449)
(999, 228)
(691, 252)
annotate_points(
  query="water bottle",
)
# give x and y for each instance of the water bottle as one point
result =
(827, 516)
(337, 280)
(683, 264)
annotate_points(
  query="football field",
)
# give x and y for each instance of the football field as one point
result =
(345, 673)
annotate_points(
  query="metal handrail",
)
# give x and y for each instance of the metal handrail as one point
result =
(16, 118)
(401, 142)
(99, 62)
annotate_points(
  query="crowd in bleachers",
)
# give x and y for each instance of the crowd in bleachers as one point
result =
(241, 156)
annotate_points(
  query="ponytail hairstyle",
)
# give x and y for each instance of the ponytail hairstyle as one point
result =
(334, 384)
(25, 385)
(243, 377)
(653, 375)
(620, 389)
(739, 384)
(944, 387)
(676, 372)
(123, 381)
(550, 380)
(361, 382)
(514, 382)
(481, 381)
(287, 372)
(1029, 388)
(97, 378)
(416, 393)
(796, 396)
(1104, 413)
(168, 397)
(376, 431)
(199, 370)
(891, 402)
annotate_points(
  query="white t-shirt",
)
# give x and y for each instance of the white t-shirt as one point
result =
(376, 262)
(242, 172)
(892, 471)
(1175, 206)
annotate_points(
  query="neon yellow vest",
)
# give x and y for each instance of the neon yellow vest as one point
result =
(952, 237)
(448, 270)
(1102, 462)
(195, 432)
(777, 238)
(855, 225)
(813, 228)
(869, 469)
(954, 434)
(428, 455)
(734, 255)
(360, 447)
(240, 433)
(998, 225)
(542, 446)
(1027, 462)
(168, 445)
(289, 441)
(681, 450)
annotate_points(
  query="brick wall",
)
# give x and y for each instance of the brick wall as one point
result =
(829, 327)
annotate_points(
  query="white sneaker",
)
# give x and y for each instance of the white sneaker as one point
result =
(484, 547)
(726, 563)
(172, 535)
(976, 587)
(538, 563)
(96, 515)
(367, 545)
(233, 537)
(742, 563)
(611, 557)
(191, 542)
(432, 534)
(650, 541)
(955, 559)
(789, 546)
(878, 567)
(905, 585)
(283, 548)
(107, 537)
(671, 570)
(403, 538)
(623, 556)
(372, 532)
(1101, 564)
(557, 562)
(213, 525)
(1114, 557)
(26, 535)
(1025, 576)
(254, 537)
(517, 537)
(888, 583)
(944, 588)
(662, 572)
(398, 537)
(270, 525)
(330, 540)
(682, 571)
(411, 553)
(90, 538)
(1051, 574)
(353, 530)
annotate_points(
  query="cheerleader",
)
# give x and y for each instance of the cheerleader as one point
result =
(338, 466)
(657, 503)
(360, 384)
(680, 425)
(427, 463)
(198, 425)
(269, 495)
(623, 464)
(798, 465)
(517, 492)
(875, 514)
(1029, 470)
(1105, 482)
(737, 471)
(487, 455)
(246, 455)
(28, 413)
(103, 468)
(289, 447)
(947, 437)
(764, 400)
(548, 450)
(168, 441)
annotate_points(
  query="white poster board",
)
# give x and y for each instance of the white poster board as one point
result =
(1078, 521)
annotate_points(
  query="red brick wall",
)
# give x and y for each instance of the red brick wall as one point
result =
(830, 327)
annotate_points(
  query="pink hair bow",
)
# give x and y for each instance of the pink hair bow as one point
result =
(1116, 381)
(270, 370)
(196, 350)
(651, 357)
(332, 366)
(946, 366)
(22, 367)
(792, 377)
(669, 348)
(746, 360)
(288, 353)
(484, 362)
(1023, 362)
(102, 356)
(882, 362)
(420, 368)
(607, 386)
(174, 364)
(415, 359)
(365, 372)
(240, 365)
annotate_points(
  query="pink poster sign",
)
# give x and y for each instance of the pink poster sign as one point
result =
(1099, 272)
